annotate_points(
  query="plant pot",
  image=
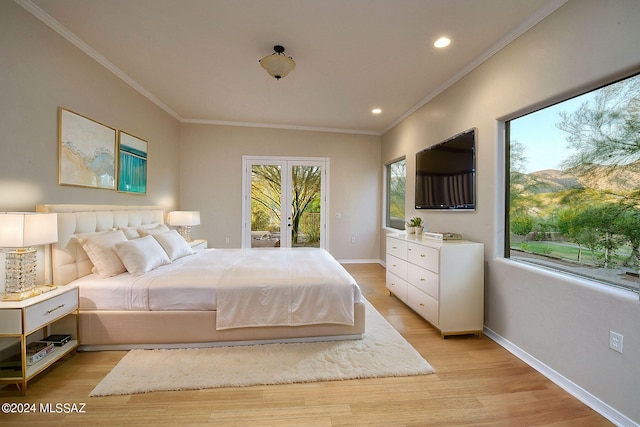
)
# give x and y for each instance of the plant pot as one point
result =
(418, 230)
(410, 230)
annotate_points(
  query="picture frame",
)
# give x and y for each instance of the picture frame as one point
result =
(132, 163)
(86, 151)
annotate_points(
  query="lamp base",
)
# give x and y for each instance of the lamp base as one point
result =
(185, 232)
(20, 296)
(20, 270)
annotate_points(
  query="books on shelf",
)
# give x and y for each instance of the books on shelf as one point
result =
(58, 339)
(37, 350)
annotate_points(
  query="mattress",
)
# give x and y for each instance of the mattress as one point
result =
(248, 287)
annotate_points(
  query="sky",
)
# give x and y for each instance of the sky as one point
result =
(545, 145)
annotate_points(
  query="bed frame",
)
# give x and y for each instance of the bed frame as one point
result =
(111, 330)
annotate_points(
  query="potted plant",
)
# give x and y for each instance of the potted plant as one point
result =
(415, 225)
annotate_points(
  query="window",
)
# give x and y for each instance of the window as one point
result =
(573, 186)
(396, 185)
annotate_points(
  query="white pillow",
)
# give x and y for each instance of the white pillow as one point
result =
(160, 228)
(130, 232)
(99, 248)
(174, 244)
(141, 255)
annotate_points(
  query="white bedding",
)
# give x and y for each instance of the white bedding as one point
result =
(247, 287)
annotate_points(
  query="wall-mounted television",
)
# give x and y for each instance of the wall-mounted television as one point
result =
(446, 174)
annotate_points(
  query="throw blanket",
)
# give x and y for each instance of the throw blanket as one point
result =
(284, 287)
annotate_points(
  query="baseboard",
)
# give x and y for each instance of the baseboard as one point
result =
(360, 261)
(569, 386)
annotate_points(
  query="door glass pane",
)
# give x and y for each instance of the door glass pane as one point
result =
(266, 191)
(306, 199)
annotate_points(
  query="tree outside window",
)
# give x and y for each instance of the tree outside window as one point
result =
(574, 185)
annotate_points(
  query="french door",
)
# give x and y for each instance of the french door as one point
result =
(284, 202)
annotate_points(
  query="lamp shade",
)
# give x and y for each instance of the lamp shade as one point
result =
(184, 218)
(277, 64)
(24, 229)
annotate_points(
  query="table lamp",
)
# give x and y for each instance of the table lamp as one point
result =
(19, 231)
(184, 220)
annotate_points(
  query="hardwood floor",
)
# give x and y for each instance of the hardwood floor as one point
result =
(476, 382)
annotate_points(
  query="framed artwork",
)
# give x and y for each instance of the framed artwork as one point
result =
(132, 164)
(86, 151)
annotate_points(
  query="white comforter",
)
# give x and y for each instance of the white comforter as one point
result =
(254, 287)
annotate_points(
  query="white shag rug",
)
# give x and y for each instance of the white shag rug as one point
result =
(382, 352)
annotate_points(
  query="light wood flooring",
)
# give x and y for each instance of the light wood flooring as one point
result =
(477, 382)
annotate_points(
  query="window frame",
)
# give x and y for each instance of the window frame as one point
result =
(505, 124)
(389, 222)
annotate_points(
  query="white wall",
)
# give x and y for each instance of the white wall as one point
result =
(40, 71)
(562, 323)
(212, 181)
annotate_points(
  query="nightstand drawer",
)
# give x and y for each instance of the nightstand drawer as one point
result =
(199, 244)
(40, 314)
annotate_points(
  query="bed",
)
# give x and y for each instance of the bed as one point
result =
(205, 298)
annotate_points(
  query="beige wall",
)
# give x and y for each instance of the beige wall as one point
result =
(562, 323)
(212, 181)
(40, 71)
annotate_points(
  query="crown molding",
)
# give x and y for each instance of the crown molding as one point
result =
(287, 127)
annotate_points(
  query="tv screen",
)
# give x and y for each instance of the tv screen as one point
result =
(446, 172)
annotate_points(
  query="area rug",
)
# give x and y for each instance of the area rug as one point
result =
(382, 352)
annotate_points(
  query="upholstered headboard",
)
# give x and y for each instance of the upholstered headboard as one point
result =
(68, 260)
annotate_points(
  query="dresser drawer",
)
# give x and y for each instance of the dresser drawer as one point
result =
(423, 279)
(397, 266)
(424, 256)
(397, 248)
(425, 305)
(397, 286)
(40, 314)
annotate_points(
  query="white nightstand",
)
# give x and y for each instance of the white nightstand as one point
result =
(23, 322)
(198, 244)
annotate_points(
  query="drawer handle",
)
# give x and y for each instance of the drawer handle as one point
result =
(421, 305)
(394, 265)
(422, 255)
(395, 247)
(422, 279)
(55, 308)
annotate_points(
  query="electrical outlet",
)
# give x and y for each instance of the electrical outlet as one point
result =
(615, 341)
(227, 240)
(353, 239)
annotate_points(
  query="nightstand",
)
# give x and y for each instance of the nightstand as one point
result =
(30, 320)
(198, 244)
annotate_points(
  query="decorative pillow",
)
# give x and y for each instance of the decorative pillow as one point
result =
(130, 232)
(160, 228)
(174, 244)
(99, 248)
(141, 255)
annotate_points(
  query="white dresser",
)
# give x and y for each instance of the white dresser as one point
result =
(443, 281)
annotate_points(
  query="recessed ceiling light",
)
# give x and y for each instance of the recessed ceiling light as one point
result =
(442, 42)
(376, 111)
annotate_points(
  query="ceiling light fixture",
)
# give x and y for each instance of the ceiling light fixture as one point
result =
(442, 42)
(278, 65)
(376, 110)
